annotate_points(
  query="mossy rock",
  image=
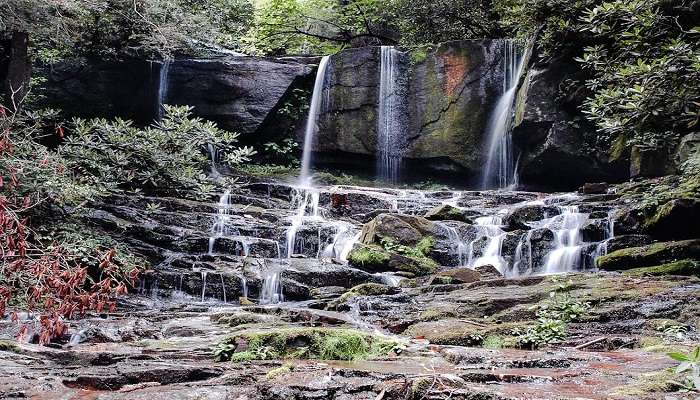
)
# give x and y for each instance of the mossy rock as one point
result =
(446, 212)
(651, 255)
(365, 289)
(6, 345)
(369, 257)
(241, 318)
(650, 383)
(407, 230)
(683, 268)
(304, 343)
(374, 258)
(457, 332)
(676, 219)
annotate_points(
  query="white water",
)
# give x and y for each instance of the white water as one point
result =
(221, 225)
(271, 292)
(214, 156)
(489, 228)
(500, 171)
(391, 132)
(566, 255)
(163, 83)
(318, 99)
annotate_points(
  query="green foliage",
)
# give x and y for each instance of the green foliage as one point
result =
(284, 153)
(493, 342)
(420, 250)
(552, 316)
(368, 256)
(305, 343)
(430, 22)
(690, 365)
(313, 26)
(155, 28)
(641, 67)
(166, 157)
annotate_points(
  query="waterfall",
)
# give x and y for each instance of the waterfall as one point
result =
(214, 156)
(500, 171)
(488, 229)
(317, 103)
(221, 223)
(566, 256)
(163, 81)
(391, 131)
(271, 292)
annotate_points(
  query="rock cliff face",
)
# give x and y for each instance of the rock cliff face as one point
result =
(240, 94)
(551, 132)
(450, 93)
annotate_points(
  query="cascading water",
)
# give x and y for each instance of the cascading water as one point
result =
(221, 223)
(567, 232)
(488, 229)
(500, 171)
(391, 132)
(319, 99)
(163, 83)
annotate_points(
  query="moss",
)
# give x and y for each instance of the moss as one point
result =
(369, 256)
(442, 280)
(419, 55)
(277, 372)
(6, 345)
(493, 342)
(365, 289)
(306, 343)
(683, 267)
(654, 382)
(645, 256)
(420, 387)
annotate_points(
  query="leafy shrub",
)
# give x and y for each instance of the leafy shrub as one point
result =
(304, 343)
(690, 364)
(166, 157)
(552, 316)
(49, 268)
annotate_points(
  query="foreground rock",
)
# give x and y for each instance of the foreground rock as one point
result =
(653, 254)
(439, 354)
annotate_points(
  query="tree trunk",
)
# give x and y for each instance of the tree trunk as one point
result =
(17, 71)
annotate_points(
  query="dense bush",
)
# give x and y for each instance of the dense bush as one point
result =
(46, 267)
(55, 264)
(116, 28)
(166, 157)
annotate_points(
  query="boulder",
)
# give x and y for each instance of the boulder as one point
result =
(488, 272)
(520, 217)
(650, 255)
(374, 258)
(677, 219)
(446, 212)
(625, 241)
(682, 268)
(594, 188)
(689, 147)
(648, 163)
(404, 229)
(461, 275)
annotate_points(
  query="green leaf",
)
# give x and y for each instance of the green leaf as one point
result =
(678, 356)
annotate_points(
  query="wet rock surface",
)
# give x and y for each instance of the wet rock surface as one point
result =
(249, 262)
